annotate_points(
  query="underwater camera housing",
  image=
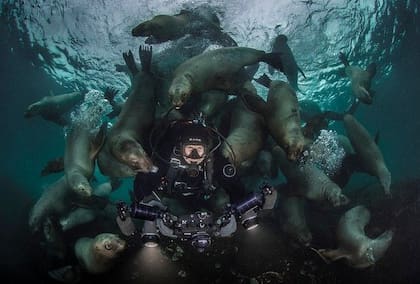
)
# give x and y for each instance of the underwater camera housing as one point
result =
(199, 227)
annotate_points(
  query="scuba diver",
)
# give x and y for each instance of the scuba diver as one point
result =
(190, 178)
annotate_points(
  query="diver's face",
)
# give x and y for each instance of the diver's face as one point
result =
(194, 154)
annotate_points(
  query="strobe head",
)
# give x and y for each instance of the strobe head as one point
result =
(249, 220)
(201, 241)
(150, 236)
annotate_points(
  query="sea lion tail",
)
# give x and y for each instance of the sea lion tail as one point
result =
(264, 80)
(273, 59)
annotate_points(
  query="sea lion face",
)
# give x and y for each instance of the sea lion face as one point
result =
(132, 154)
(108, 245)
(294, 144)
(180, 90)
(32, 110)
(337, 198)
(159, 29)
(82, 188)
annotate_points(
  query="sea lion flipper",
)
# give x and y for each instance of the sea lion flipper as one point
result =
(110, 94)
(98, 141)
(273, 59)
(301, 72)
(343, 59)
(129, 61)
(377, 135)
(145, 55)
(371, 69)
(264, 80)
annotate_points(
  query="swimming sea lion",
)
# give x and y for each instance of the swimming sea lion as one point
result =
(162, 28)
(136, 118)
(246, 135)
(79, 157)
(308, 181)
(58, 199)
(98, 254)
(359, 250)
(290, 67)
(295, 221)
(281, 115)
(54, 200)
(318, 186)
(201, 22)
(367, 151)
(216, 69)
(87, 214)
(360, 79)
(54, 108)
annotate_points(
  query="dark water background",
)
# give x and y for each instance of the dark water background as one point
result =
(26, 145)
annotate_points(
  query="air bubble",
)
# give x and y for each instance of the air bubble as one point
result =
(325, 152)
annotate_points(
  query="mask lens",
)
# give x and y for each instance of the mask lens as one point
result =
(194, 151)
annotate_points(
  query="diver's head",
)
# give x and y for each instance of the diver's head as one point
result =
(195, 143)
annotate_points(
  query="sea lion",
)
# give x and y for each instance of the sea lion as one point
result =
(53, 108)
(281, 115)
(295, 221)
(308, 181)
(290, 67)
(79, 157)
(246, 135)
(211, 102)
(53, 166)
(200, 22)
(194, 41)
(162, 28)
(216, 69)
(130, 131)
(368, 152)
(58, 199)
(87, 214)
(359, 250)
(360, 79)
(111, 167)
(98, 254)
(54, 200)
(318, 186)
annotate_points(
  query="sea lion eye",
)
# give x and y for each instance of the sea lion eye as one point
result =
(108, 246)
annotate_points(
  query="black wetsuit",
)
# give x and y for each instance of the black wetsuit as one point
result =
(177, 183)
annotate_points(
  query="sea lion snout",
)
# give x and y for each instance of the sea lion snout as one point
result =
(141, 30)
(178, 97)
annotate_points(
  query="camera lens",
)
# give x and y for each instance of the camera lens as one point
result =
(201, 241)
